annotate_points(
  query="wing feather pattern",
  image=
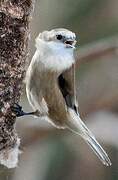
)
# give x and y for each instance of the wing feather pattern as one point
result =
(66, 83)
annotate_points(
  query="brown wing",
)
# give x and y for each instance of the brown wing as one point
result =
(67, 86)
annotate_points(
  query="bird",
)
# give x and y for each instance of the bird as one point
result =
(51, 87)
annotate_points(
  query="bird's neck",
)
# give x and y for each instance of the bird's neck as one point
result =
(54, 58)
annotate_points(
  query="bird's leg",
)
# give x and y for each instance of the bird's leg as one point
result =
(17, 109)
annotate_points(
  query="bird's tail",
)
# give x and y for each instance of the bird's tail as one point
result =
(76, 125)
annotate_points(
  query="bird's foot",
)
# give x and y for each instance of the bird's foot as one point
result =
(17, 109)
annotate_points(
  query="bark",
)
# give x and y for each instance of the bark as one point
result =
(14, 34)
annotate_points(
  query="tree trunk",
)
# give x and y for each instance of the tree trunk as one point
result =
(14, 34)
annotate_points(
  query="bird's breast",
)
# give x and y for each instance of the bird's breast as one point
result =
(57, 62)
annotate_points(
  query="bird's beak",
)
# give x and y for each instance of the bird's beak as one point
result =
(70, 43)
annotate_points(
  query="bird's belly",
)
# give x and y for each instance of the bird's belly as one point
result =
(58, 119)
(57, 110)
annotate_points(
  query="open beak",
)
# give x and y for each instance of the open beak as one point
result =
(70, 43)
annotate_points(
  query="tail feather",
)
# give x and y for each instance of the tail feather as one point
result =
(76, 125)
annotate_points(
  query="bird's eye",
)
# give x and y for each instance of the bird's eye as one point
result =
(59, 36)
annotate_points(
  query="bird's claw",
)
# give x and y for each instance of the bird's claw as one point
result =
(17, 109)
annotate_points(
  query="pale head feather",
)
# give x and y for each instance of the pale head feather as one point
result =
(55, 49)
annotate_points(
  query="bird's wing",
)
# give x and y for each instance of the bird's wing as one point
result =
(74, 123)
(67, 86)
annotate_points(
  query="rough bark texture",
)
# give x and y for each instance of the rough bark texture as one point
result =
(14, 33)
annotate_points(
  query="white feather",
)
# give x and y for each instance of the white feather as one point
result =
(9, 157)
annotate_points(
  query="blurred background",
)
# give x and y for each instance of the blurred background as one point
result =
(52, 154)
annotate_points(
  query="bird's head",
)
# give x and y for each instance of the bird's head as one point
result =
(56, 48)
(59, 38)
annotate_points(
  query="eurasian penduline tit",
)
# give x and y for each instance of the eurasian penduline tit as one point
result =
(50, 85)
